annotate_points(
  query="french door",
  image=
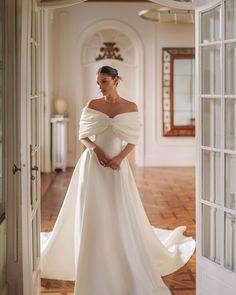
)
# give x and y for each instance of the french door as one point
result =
(216, 169)
(30, 146)
(3, 285)
(34, 137)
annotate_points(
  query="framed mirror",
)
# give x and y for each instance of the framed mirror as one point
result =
(178, 74)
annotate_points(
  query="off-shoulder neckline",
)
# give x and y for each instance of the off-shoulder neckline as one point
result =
(107, 114)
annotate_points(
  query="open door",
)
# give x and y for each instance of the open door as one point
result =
(216, 168)
(33, 106)
(21, 146)
(30, 145)
(31, 35)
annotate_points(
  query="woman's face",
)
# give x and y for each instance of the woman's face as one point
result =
(106, 84)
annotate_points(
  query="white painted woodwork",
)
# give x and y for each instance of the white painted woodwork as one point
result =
(30, 145)
(12, 150)
(45, 89)
(215, 220)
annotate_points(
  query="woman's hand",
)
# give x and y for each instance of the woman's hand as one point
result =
(114, 163)
(102, 157)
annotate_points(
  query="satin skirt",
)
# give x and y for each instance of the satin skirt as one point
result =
(102, 238)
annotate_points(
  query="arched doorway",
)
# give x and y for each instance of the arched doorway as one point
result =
(130, 68)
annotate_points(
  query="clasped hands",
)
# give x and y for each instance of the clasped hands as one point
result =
(105, 161)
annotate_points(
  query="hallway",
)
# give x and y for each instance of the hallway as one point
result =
(168, 199)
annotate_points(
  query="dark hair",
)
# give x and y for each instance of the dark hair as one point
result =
(109, 71)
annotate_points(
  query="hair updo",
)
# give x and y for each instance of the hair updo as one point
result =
(109, 71)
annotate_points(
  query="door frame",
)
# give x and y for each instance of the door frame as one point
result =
(208, 273)
(12, 149)
(30, 276)
(25, 159)
(18, 213)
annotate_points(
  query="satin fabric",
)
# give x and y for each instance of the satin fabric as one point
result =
(102, 238)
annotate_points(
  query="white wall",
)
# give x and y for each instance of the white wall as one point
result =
(172, 151)
(68, 27)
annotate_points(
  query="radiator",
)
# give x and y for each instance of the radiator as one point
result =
(59, 142)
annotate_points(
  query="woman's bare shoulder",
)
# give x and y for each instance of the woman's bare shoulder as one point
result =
(130, 105)
(94, 103)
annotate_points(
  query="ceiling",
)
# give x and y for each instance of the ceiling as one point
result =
(118, 1)
(46, 1)
(65, 3)
(185, 4)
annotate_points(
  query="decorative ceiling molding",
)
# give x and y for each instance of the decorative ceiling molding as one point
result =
(184, 4)
(58, 3)
(66, 3)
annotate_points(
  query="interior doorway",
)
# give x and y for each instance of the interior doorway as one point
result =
(25, 220)
(85, 74)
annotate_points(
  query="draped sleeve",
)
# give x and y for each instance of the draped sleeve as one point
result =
(91, 123)
(125, 125)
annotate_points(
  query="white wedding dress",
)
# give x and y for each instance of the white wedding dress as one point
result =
(102, 238)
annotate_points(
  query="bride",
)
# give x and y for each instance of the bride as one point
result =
(102, 238)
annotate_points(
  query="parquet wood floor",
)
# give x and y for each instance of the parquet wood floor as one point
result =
(168, 199)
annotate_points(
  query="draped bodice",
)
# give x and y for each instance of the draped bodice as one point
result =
(109, 142)
(110, 133)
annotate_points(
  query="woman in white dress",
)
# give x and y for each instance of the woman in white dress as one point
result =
(102, 238)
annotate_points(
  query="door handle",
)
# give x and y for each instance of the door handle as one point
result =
(15, 169)
(35, 168)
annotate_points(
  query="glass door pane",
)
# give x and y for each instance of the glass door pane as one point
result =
(211, 71)
(230, 124)
(211, 233)
(211, 177)
(211, 25)
(211, 123)
(230, 19)
(230, 183)
(230, 242)
(230, 68)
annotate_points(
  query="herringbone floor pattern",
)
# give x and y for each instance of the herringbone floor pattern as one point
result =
(168, 199)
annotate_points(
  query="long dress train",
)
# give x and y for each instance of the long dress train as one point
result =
(102, 238)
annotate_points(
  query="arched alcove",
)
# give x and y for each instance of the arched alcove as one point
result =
(109, 47)
(130, 49)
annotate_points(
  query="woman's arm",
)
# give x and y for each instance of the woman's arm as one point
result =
(128, 148)
(114, 163)
(102, 157)
(88, 143)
